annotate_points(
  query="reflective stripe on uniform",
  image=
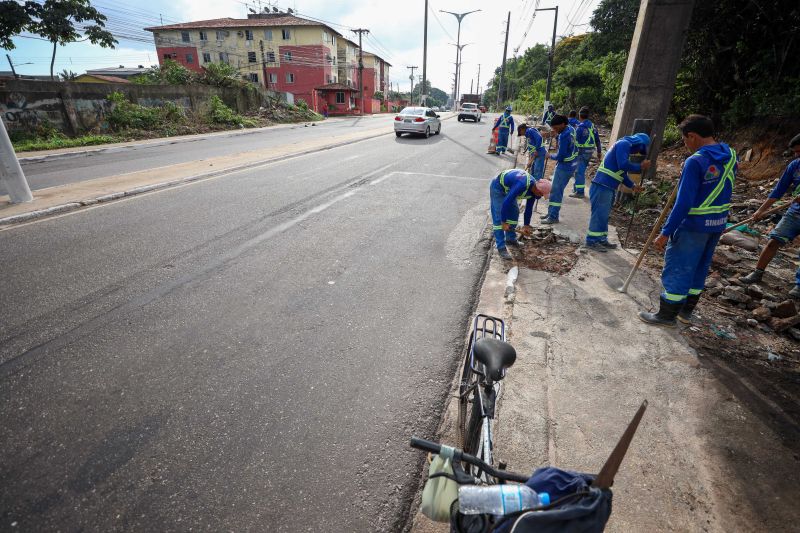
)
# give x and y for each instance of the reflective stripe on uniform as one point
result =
(695, 292)
(616, 175)
(674, 297)
(506, 188)
(589, 140)
(556, 204)
(727, 175)
(504, 121)
(496, 228)
(597, 233)
(580, 186)
(574, 148)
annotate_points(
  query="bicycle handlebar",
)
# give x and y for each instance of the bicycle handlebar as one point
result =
(435, 447)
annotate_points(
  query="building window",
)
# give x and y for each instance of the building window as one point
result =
(248, 35)
(340, 97)
(220, 35)
(267, 35)
(189, 58)
(203, 36)
(270, 57)
(167, 56)
(330, 79)
(251, 57)
(206, 57)
(185, 36)
(289, 77)
(287, 34)
(223, 57)
(253, 77)
(273, 78)
(287, 56)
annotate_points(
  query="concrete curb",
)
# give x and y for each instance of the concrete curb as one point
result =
(72, 206)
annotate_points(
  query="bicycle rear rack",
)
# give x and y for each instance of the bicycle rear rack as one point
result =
(485, 326)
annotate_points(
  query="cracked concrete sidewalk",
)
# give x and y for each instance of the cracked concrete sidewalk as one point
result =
(701, 459)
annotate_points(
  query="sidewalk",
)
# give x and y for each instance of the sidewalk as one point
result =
(700, 461)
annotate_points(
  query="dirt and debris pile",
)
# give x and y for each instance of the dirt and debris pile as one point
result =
(548, 251)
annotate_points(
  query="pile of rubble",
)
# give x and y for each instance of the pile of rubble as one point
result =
(548, 250)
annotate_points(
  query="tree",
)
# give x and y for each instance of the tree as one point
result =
(67, 75)
(378, 95)
(58, 21)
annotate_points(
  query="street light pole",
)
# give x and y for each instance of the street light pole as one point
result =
(551, 54)
(424, 56)
(459, 17)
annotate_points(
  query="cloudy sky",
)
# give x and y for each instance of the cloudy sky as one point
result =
(396, 32)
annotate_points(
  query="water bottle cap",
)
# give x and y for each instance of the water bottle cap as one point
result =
(544, 498)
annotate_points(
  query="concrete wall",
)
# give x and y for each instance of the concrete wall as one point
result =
(75, 108)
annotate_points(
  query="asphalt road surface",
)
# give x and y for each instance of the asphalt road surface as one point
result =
(249, 352)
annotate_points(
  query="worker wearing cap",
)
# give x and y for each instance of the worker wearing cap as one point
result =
(548, 115)
(565, 166)
(587, 140)
(789, 226)
(536, 152)
(509, 187)
(612, 172)
(696, 221)
(504, 125)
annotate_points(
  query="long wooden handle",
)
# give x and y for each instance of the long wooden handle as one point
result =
(751, 219)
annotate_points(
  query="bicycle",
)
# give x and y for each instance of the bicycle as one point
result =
(487, 359)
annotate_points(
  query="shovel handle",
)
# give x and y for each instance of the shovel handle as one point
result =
(751, 219)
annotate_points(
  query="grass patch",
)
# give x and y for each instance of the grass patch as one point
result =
(62, 141)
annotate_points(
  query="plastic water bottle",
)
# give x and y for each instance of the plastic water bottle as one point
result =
(499, 499)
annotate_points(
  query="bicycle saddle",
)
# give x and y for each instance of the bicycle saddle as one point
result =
(496, 355)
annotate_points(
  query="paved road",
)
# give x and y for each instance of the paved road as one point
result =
(119, 160)
(249, 352)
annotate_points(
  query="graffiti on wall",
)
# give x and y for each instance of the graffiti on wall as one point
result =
(20, 113)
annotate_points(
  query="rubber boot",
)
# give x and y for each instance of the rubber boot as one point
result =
(685, 314)
(753, 277)
(665, 316)
(503, 253)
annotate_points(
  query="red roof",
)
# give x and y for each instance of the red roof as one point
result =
(277, 20)
(336, 87)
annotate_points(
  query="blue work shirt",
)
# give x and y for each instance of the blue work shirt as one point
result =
(548, 116)
(505, 121)
(574, 122)
(566, 148)
(535, 142)
(704, 191)
(617, 162)
(582, 134)
(516, 185)
(790, 181)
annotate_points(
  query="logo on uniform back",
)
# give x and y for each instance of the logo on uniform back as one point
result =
(712, 173)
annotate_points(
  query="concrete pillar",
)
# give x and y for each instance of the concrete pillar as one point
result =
(653, 63)
(11, 174)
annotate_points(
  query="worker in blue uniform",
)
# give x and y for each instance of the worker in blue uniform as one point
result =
(537, 152)
(548, 115)
(588, 141)
(696, 221)
(509, 187)
(504, 125)
(789, 226)
(572, 118)
(565, 166)
(612, 172)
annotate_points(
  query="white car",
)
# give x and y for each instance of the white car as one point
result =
(469, 111)
(418, 120)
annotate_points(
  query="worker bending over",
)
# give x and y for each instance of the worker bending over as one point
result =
(505, 191)
(696, 221)
(504, 125)
(565, 157)
(536, 152)
(587, 141)
(612, 172)
(789, 226)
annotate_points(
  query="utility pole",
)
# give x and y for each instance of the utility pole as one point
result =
(550, 56)
(457, 87)
(503, 65)
(478, 85)
(411, 94)
(359, 31)
(424, 56)
(470, 86)
(11, 64)
(459, 17)
(11, 175)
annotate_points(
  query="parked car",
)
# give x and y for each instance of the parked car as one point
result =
(482, 108)
(435, 108)
(417, 120)
(469, 111)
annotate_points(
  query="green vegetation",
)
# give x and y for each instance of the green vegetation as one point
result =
(733, 76)
(59, 140)
(219, 113)
(127, 115)
(173, 73)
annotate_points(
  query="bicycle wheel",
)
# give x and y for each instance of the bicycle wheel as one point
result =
(469, 416)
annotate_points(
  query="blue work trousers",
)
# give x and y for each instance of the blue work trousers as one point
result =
(686, 263)
(502, 140)
(561, 177)
(601, 199)
(537, 169)
(786, 231)
(584, 156)
(497, 195)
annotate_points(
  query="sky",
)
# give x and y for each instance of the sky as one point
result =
(395, 34)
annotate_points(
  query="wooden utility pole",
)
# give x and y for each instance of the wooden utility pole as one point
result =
(359, 31)
(503, 64)
(411, 94)
(550, 56)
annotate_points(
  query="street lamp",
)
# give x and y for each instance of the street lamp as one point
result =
(459, 17)
(459, 47)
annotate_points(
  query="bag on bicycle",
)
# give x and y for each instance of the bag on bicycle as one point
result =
(440, 492)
